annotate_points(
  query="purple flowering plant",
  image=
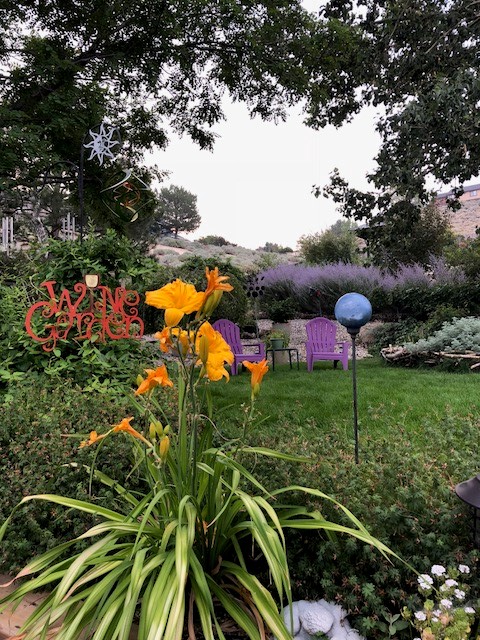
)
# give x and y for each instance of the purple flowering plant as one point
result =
(330, 281)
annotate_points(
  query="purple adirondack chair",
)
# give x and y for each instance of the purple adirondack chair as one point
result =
(322, 345)
(231, 334)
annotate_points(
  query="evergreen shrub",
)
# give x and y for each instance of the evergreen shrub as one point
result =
(115, 259)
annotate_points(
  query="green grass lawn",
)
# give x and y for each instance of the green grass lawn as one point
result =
(389, 399)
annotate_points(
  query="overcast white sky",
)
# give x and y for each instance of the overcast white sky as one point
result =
(256, 185)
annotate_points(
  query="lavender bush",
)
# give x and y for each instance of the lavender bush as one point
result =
(315, 287)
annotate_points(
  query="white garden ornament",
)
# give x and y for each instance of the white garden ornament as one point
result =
(102, 142)
(313, 618)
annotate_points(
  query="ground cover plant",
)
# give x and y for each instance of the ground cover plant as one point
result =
(41, 426)
(418, 438)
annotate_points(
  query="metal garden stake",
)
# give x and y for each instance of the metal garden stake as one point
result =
(353, 310)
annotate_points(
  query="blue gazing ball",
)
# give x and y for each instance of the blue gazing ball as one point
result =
(353, 310)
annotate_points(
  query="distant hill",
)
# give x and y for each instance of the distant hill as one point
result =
(174, 251)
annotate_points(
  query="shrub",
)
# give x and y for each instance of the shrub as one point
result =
(328, 281)
(234, 304)
(113, 257)
(396, 333)
(86, 362)
(411, 292)
(329, 247)
(217, 241)
(459, 335)
(279, 310)
(38, 436)
(273, 247)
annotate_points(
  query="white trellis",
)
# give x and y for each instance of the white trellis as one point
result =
(7, 233)
(68, 227)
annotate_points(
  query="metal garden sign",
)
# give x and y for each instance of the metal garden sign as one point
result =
(95, 312)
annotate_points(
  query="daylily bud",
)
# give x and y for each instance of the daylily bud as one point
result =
(211, 303)
(203, 345)
(164, 447)
(152, 432)
(167, 429)
(139, 380)
(156, 429)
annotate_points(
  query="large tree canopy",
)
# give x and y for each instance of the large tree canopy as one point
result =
(156, 67)
(423, 70)
(152, 67)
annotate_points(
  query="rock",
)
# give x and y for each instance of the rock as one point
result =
(313, 617)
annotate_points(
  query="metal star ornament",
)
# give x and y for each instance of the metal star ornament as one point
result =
(103, 142)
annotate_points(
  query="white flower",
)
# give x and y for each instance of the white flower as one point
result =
(446, 603)
(459, 594)
(437, 613)
(469, 610)
(434, 619)
(463, 568)
(437, 570)
(420, 615)
(425, 581)
(451, 583)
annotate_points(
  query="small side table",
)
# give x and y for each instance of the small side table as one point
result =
(289, 350)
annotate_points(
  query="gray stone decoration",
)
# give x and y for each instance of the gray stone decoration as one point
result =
(311, 619)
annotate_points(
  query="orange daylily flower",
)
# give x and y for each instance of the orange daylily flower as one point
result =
(175, 338)
(258, 370)
(155, 377)
(125, 425)
(214, 291)
(94, 437)
(215, 282)
(165, 339)
(218, 353)
(177, 298)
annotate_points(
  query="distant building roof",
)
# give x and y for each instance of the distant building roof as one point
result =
(466, 189)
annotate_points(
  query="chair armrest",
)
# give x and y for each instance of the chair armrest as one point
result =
(342, 343)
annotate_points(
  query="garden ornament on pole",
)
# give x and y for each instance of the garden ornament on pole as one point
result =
(469, 492)
(353, 310)
(100, 141)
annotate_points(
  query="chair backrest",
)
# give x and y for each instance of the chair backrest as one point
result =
(230, 333)
(321, 332)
